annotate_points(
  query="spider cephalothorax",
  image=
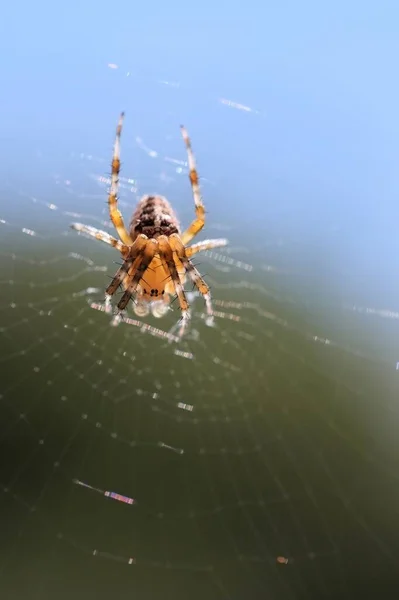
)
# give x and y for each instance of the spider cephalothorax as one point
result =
(156, 259)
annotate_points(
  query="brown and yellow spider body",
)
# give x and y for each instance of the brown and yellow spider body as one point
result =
(156, 258)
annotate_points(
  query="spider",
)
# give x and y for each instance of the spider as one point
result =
(156, 258)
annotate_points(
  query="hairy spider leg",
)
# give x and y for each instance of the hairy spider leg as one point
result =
(205, 245)
(121, 278)
(135, 253)
(143, 262)
(166, 254)
(180, 251)
(114, 212)
(102, 236)
(132, 268)
(199, 221)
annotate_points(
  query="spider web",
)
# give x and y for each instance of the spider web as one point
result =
(246, 458)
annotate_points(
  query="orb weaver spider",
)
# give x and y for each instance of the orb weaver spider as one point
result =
(156, 258)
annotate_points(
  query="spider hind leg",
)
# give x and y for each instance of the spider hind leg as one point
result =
(199, 221)
(114, 212)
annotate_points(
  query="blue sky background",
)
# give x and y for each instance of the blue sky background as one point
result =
(320, 162)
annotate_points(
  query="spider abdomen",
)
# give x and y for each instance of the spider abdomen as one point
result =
(154, 216)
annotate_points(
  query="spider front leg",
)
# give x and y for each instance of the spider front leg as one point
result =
(178, 247)
(199, 221)
(137, 271)
(166, 254)
(114, 213)
(102, 236)
(122, 278)
(131, 262)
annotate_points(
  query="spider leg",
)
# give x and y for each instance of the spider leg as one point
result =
(137, 271)
(178, 247)
(205, 245)
(125, 273)
(199, 221)
(135, 253)
(166, 255)
(103, 236)
(114, 213)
